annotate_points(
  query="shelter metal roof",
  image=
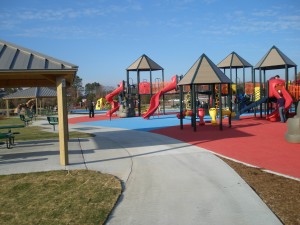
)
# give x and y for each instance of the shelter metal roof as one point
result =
(144, 63)
(204, 71)
(233, 60)
(274, 59)
(22, 67)
(36, 92)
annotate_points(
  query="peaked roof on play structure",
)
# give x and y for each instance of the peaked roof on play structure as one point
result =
(144, 63)
(233, 60)
(274, 59)
(204, 71)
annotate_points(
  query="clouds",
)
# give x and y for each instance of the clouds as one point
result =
(61, 18)
(254, 22)
(107, 19)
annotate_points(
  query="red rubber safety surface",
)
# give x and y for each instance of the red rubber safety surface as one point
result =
(251, 140)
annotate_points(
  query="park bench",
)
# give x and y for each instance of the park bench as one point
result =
(25, 120)
(31, 116)
(53, 120)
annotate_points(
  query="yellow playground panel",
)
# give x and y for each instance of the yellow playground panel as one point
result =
(100, 104)
(233, 88)
(257, 93)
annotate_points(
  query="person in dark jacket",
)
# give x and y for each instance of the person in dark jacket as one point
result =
(91, 109)
(281, 103)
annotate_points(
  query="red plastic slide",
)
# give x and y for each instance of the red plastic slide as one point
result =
(154, 102)
(274, 85)
(114, 104)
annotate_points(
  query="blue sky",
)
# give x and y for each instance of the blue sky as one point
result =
(103, 37)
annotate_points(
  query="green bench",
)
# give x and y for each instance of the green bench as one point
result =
(52, 120)
(25, 120)
(32, 116)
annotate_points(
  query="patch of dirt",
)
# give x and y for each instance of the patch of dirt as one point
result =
(281, 194)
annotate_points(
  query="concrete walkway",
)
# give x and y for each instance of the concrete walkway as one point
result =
(165, 181)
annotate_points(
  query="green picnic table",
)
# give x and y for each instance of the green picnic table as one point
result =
(10, 136)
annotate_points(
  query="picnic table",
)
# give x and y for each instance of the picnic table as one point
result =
(10, 135)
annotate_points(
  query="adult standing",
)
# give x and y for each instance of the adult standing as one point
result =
(91, 109)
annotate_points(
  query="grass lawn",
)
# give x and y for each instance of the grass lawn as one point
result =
(55, 197)
(58, 197)
(32, 132)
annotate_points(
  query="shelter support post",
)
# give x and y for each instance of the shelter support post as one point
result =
(127, 83)
(63, 120)
(36, 106)
(260, 94)
(287, 77)
(230, 103)
(138, 90)
(7, 108)
(194, 110)
(220, 107)
(181, 106)
(163, 96)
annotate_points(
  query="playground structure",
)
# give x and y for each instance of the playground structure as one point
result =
(274, 86)
(154, 101)
(124, 104)
(110, 99)
(125, 99)
(229, 99)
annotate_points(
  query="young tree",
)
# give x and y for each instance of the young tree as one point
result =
(75, 91)
(93, 90)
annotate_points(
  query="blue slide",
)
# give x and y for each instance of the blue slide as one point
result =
(252, 105)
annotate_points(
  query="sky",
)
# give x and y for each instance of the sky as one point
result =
(104, 37)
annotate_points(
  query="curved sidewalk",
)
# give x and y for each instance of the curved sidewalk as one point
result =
(165, 181)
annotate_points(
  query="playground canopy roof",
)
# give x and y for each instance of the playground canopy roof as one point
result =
(22, 67)
(233, 60)
(274, 59)
(204, 71)
(144, 63)
(35, 92)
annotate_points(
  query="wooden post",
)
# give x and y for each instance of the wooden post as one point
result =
(7, 108)
(62, 120)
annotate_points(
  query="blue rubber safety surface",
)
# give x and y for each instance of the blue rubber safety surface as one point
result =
(139, 123)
